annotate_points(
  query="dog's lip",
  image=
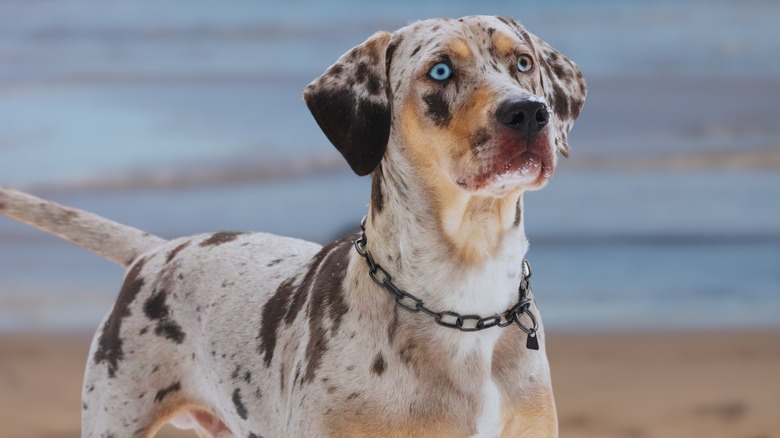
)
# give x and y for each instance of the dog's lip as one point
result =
(524, 168)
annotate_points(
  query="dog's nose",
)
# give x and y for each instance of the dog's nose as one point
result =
(525, 116)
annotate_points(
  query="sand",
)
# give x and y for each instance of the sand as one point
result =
(607, 385)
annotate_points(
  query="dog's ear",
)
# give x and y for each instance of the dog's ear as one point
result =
(564, 88)
(350, 103)
(563, 84)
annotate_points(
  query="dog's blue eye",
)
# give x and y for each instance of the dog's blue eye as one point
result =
(524, 63)
(440, 71)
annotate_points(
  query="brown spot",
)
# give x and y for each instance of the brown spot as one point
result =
(562, 73)
(369, 79)
(437, 108)
(560, 102)
(526, 37)
(161, 394)
(518, 213)
(377, 197)
(273, 263)
(175, 251)
(362, 71)
(576, 107)
(296, 304)
(508, 21)
(297, 374)
(110, 344)
(328, 293)
(239, 404)
(288, 301)
(336, 70)
(156, 309)
(271, 315)
(221, 237)
(379, 365)
(389, 53)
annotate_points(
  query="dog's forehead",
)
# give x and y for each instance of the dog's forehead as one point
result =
(484, 33)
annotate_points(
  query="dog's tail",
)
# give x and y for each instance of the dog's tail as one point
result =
(119, 243)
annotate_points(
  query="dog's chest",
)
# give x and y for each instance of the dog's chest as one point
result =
(413, 393)
(489, 422)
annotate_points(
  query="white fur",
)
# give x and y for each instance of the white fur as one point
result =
(489, 423)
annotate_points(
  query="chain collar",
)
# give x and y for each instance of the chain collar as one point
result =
(464, 323)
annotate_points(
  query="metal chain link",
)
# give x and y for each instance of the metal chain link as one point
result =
(464, 323)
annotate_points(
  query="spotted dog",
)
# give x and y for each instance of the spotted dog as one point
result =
(255, 335)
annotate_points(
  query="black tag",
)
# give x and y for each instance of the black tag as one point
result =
(532, 342)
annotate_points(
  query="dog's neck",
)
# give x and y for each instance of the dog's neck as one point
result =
(457, 252)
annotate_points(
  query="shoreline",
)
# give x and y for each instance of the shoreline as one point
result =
(638, 384)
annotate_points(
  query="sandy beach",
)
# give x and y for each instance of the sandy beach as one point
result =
(607, 385)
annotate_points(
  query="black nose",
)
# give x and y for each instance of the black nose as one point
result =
(525, 116)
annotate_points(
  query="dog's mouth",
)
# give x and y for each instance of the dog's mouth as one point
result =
(528, 167)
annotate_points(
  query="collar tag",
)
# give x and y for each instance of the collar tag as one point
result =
(532, 341)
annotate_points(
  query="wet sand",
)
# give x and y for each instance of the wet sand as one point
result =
(607, 385)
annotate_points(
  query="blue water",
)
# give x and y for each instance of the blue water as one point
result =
(100, 101)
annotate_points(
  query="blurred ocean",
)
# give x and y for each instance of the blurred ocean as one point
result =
(181, 118)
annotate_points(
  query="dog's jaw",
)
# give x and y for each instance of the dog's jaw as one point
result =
(515, 164)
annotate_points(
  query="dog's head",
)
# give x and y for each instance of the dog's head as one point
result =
(478, 101)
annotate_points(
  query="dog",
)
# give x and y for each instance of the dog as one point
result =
(422, 324)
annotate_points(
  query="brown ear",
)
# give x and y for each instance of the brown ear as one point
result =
(564, 86)
(350, 103)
